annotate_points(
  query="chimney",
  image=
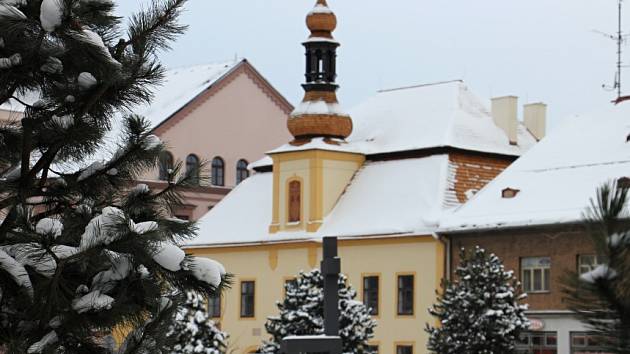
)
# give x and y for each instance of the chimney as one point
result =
(535, 119)
(504, 114)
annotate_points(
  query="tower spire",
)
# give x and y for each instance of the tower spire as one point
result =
(319, 114)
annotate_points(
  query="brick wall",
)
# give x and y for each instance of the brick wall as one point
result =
(563, 247)
(473, 172)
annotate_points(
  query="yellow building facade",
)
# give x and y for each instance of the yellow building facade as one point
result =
(378, 179)
(269, 266)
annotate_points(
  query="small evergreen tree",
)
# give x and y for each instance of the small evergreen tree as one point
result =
(82, 251)
(193, 330)
(302, 313)
(601, 297)
(479, 312)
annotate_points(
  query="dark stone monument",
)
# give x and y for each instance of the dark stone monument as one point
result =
(330, 342)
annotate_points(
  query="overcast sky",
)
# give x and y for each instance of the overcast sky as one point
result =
(539, 50)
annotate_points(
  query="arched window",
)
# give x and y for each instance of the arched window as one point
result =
(218, 171)
(192, 167)
(241, 171)
(165, 165)
(295, 198)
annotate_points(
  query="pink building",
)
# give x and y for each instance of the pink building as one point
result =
(227, 114)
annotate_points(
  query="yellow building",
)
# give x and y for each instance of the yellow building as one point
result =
(378, 179)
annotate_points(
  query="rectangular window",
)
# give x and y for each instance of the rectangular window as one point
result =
(214, 306)
(372, 349)
(535, 274)
(404, 349)
(586, 343)
(248, 291)
(587, 263)
(537, 342)
(405, 295)
(370, 293)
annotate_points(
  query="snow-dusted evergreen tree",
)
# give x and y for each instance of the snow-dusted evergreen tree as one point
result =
(480, 311)
(302, 313)
(601, 297)
(81, 250)
(194, 332)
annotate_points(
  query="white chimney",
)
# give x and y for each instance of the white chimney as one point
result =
(504, 114)
(535, 119)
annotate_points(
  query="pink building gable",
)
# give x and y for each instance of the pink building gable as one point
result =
(237, 116)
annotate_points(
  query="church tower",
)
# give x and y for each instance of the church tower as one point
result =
(312, 171)
(319, 114)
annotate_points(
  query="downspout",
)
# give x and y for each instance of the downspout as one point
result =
(446, 241)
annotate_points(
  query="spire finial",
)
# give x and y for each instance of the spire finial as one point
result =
(321, 20)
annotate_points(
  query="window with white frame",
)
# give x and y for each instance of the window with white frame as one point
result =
(588, 262)
(537, 343)
(586, 343)
(535, 274)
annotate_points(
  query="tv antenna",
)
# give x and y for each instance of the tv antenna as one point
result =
(620, 39)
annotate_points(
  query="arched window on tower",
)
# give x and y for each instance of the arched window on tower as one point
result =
(218, 171)
(192, 168)
(295, 201)
(165, 165)
(241, 171)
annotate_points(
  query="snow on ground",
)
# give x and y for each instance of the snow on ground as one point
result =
(557, 178)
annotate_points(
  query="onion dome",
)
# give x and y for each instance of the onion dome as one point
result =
(319, 114)
(321, 21)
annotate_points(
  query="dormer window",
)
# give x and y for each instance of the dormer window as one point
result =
(509, 193)
(295, 201)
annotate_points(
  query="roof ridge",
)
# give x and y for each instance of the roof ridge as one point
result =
(218, 62)
(420, 85)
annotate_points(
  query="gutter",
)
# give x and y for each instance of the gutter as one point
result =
(312, 239)
(472, 229)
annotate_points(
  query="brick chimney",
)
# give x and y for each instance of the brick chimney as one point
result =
(535, 119)
(504, 114)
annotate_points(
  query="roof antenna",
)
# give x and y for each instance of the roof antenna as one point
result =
(619, 38)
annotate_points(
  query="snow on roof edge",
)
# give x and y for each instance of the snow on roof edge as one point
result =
(209, 85)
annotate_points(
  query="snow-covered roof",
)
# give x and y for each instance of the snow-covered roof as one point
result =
(445, 114)
(182, 85)
(556, 179)
(408, 204)
(432, 115)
